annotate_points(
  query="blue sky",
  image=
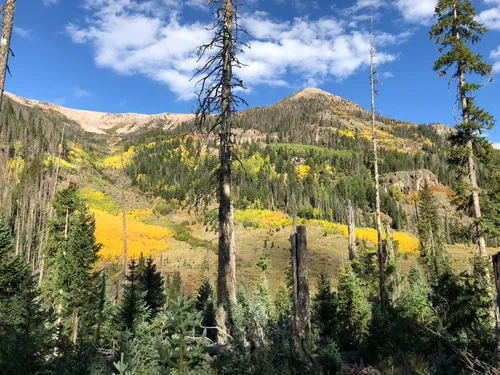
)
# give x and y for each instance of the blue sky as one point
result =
(138, 55)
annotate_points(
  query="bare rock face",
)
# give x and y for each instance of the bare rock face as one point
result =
(443, 130)
(410, 181)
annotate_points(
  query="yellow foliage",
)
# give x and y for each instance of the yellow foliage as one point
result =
(428, 143)
(55, 160)
(140, 215)
(263, 218)
(98, 200)
(302, 171)
(115, 161)
(12, 168)
(274, 219)
(141, 238)
(346, 133)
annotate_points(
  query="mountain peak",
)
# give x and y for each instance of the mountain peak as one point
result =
(309, 92)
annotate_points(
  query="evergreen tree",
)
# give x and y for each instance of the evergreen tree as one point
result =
(175, 288)
(205, 302)
(133, 308)
(432, 250)
(324, 308)
(25, 334)
(151, 282)
(414, 302)
(354, 311)
(71, 255)
(456, 30)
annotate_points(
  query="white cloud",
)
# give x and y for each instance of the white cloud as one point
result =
(491, 17)
(80, 93)
(23, 33)
(130, 37)
(417, 11)
(48, 3)
(495, 55)
(387, 75)
(496, 145)
(363, 4)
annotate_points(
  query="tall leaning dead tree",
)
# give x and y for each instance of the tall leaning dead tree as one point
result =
(8, 10)
(376, 177)
(217, 105)
(456, 31)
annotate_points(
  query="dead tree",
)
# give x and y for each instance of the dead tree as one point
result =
(376, 178)
(301, 299)
(124, 216)
(351, 231)
(496, 270)
(9, 8)
(217, 104)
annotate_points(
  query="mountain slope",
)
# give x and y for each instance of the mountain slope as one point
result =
(106, 123)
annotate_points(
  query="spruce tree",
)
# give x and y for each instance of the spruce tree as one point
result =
(456, 31)
(25, 335)
(132, 309)
(175, 287)
(205, 302)
(72, 252)
(324, 308)
(354, 311)
(432, 250)
(151, 283)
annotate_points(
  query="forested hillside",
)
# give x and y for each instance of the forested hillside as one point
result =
(310, 236)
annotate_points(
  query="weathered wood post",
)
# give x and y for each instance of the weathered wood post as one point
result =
(496, 269)
(351, 231)
(301, 293)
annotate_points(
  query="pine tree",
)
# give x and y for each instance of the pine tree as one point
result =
(132, 309)
(354, 311)
(25, 335)
(151, 283)
(175, 288)
(432, 249)
(324, 308)
(205, 302)
(456, 30)
(71, 255)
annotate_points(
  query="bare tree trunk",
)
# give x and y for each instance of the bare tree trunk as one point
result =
(124, 219)
(18, 230)
(76, 323)
(226, 269)
(351, 231)
(496, 270)
(66, 224)
(45, 235)
(378, 215)
(7, 25)
(301, 298)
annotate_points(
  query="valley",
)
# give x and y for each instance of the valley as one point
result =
(162, 221)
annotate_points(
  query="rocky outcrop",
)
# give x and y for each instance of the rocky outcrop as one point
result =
(443, 130)
(410, 181)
